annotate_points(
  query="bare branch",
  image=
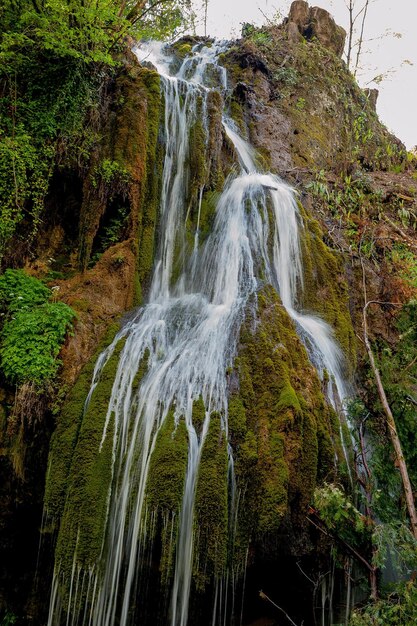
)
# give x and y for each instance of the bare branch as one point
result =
(358, 53)
(265, 597)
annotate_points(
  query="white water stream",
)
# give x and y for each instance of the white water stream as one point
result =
(189, 331)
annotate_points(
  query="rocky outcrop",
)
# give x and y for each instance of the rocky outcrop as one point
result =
(315, 23)
(372, 95)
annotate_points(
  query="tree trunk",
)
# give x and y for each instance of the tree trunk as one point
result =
(391, 428)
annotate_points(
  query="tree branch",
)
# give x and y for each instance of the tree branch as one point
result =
(392, 428)
(265, 597)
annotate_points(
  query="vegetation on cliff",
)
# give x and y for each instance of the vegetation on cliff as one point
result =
(55, 59)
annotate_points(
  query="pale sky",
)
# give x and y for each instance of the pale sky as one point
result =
(397, 103)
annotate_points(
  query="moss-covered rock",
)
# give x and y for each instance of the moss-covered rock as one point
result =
(211, 507)
(83, 484)
(325, 289)
(165, 486)
(69, 423)
(123, 178)
(280, 424)
(321, 119)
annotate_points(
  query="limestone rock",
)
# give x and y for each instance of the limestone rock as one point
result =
(300, 14)
(325, 29)
(293, 32)
(313, 22)
(372, 95)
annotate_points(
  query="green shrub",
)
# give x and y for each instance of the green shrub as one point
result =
(398, 608)
(19, 291)
(34, 329)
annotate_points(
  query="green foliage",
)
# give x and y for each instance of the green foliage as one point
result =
(34, 329)
(396, 543)
(405, 262)
(112, 232)
(8, 619)
(85, 31)
(111, 172)
(407, 216)
(347, 196)
(32, 340)
(397, 608)
(53, 56)
(248, 29)
(259, 37)
(287, 75)
(339, 514)
(23, 177)
(362, 132)
(300, 104)
(398, 367)
(20, 292)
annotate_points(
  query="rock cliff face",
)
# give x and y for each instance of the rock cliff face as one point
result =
(291, 95)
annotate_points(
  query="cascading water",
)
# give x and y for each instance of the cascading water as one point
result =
(187, 334)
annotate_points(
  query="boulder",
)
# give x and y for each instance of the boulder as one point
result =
(372, 95)
(326, 31)
(300, 14)
(313, 22)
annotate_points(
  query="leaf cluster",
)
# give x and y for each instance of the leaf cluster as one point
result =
(340, 515)
(34, 329)
(397, 608)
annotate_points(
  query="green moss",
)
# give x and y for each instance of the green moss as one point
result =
(130, 143)
(65, 436)
(208, 213)
(148, 201)
(288, 400)
(167, 467)
(88, 483)
(277, 421)
(199, 414)
(197, 157)
(211, 515)
(215, 129)
(237, 115)
(142, 369)
(181, 48)
(237, 418)
(165, 487)
(325, 290)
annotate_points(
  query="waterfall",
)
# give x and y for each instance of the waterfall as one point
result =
(188, 335)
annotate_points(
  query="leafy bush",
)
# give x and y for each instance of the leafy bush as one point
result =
(34, 329)
(19, 292)
(398, 608)
(340, 515)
